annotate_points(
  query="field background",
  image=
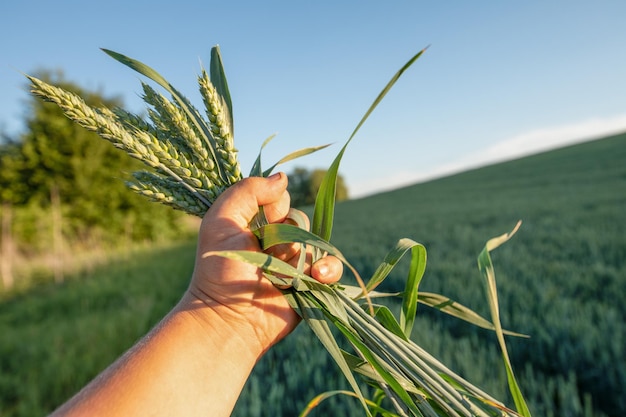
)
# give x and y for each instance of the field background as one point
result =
(561, 280)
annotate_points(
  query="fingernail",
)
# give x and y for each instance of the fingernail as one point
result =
(323, 270)
(275, 177)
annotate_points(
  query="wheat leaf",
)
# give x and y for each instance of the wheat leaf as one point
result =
(261, 260)
(218, 79)
(294, 155)
(275, 234)
(256, 170)
(328, 394)
(383, 375)
(489, 279)
(453, 308)
(387, 319)
(314, 317)
(410, 297)
(324, 211)
(389, 262)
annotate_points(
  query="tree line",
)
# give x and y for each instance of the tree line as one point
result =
(63, 188)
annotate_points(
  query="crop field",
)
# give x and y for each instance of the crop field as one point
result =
(561, 280)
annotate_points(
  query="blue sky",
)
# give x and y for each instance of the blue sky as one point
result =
(499, 79)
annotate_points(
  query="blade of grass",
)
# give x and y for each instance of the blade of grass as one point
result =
(256, 170)
(328, 394)
(261, 260)
(397, 348)
(275, 234)
(354, 292)
(489, 279)
(325, 200)
(218, 79)
(302, 221)
(416, 272)
(314, 315)
(294, 155)
(389, 262)
(409, 299)
(363, 368)
(453, 308)
(376, 364)
(387, 319)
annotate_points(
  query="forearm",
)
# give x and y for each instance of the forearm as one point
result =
(187, 365)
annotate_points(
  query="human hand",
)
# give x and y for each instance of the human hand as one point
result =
(197, 359)
(249, 303)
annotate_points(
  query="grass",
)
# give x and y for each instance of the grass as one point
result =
(560, 280)
(55, 338)
(561, 277)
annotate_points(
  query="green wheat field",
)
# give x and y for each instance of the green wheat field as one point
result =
(561, 280)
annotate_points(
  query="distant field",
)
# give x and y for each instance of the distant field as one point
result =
(55, 338)
(562, 280)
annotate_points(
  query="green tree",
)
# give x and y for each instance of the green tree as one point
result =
(9, 171)
(304, 184)
(54, 155)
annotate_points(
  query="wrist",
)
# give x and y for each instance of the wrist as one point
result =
(220, 325)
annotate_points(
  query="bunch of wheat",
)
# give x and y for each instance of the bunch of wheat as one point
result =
(192, 159)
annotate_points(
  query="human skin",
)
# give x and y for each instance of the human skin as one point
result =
(197, 359)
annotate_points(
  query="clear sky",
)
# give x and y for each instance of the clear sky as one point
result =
(499, 79)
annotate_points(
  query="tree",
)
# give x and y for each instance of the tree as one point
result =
(304, 184)
(55, 155)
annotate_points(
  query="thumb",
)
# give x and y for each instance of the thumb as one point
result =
(241, 202)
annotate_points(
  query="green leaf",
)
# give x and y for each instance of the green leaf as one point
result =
(383, 373)
(389, 262)
(409, 300)
(355, 292)
(453, 308)
(489, 279)
(259, 220)
(218, 79)
(328, 394)
(387, 319)
(298, 217)
(363, 368)
(312, 314)
(272, 266)
(416, 272)
(256, 170)
(261, 260)
(294, 155)
(324, 210)
(279, 233)
(276, 234)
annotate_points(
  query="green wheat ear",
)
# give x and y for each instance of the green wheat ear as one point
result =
(187, 155)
